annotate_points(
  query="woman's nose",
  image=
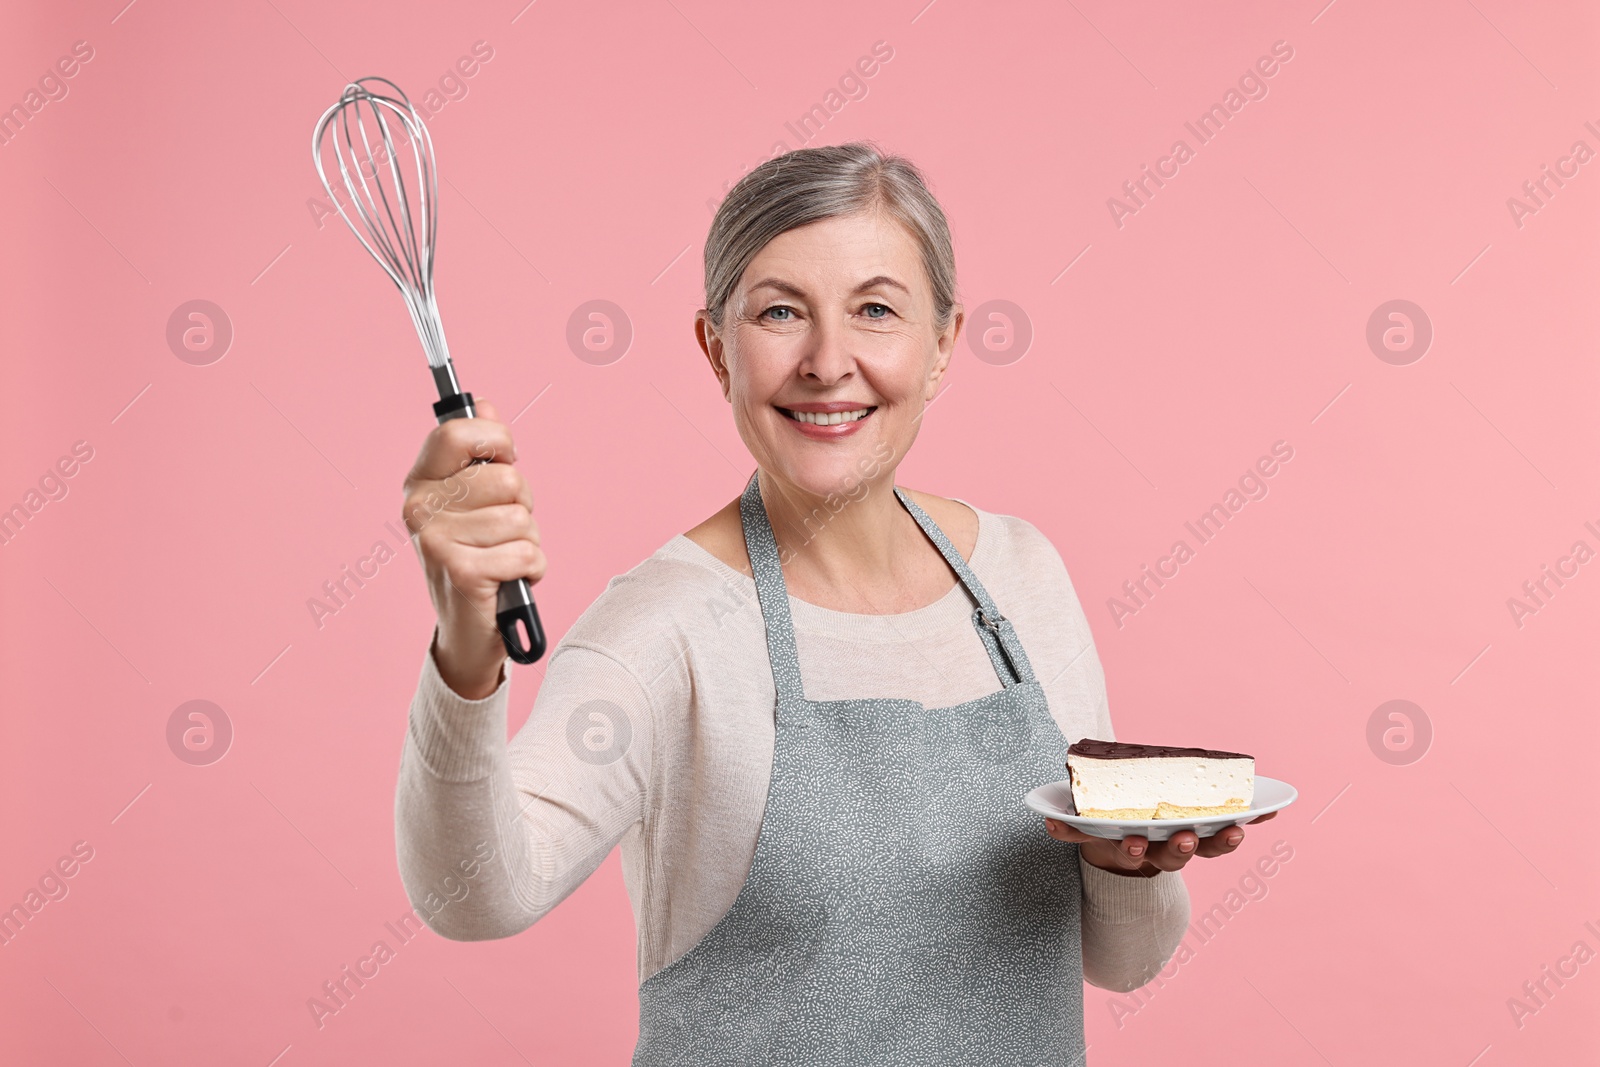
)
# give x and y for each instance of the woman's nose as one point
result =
(826, 356)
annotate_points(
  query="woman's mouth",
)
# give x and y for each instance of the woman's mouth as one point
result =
(828, 424)
(828, 418)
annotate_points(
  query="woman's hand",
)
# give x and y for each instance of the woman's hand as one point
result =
(470, 514)
(1141, 857)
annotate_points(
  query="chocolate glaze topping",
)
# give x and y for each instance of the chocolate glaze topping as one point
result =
(1097, 749)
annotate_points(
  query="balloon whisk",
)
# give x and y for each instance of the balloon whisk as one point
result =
(384, 159)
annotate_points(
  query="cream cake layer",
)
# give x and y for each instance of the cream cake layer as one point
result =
(1121, 780)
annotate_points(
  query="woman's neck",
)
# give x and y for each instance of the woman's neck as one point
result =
(863, 552)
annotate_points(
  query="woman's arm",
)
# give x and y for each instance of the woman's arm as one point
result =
(490, 837)
(1132, 924)
(545, 809)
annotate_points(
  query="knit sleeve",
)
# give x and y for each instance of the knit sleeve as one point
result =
(1131, 926)
(492, 835)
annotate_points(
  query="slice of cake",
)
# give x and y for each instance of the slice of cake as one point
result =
(1117, 780)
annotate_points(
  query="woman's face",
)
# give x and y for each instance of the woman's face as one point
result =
(828, 351)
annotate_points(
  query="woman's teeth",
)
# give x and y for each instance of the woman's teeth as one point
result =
(829, 418)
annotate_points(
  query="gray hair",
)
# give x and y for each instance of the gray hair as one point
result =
(811, 184)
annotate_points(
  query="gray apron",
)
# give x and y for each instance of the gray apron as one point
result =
(903, 906)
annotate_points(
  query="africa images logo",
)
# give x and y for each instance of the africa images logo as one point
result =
(1252, 485)
(1252, 85)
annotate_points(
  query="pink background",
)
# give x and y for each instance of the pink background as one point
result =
(1226, 315)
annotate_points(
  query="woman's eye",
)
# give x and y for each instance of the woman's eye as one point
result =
(776, 309)
(872, 309)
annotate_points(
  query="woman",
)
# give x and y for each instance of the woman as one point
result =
(810, 720)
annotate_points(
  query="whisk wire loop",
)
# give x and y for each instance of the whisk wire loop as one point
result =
(373, 126)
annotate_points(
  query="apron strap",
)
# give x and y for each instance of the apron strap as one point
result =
(995, 630)
(773, 594)
(998, 635)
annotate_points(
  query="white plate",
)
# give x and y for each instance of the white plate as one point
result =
(1055, 800)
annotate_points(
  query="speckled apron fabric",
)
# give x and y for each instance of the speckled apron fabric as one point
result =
(903, 906)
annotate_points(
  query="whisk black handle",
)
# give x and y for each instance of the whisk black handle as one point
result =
(514, 602)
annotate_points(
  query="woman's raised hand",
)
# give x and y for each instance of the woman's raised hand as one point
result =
(470, 513)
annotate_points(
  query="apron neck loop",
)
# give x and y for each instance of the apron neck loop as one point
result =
(998, 635)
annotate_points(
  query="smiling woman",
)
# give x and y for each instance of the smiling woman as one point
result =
(817, 711)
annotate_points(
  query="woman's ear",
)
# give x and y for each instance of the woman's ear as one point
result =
(710, 341)
(946, 348)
